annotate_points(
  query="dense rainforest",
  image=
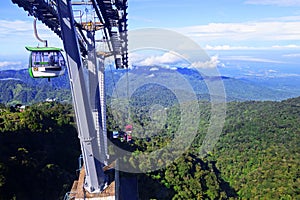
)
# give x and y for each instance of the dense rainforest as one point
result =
(256, 157)
(39, 149)
(17, 92)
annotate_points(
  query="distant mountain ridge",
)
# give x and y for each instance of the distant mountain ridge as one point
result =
(16, 86)
(23, 75)
(235, 89)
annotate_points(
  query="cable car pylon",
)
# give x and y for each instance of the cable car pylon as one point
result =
(109, 16)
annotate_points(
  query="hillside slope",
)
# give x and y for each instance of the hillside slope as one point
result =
(257, 156)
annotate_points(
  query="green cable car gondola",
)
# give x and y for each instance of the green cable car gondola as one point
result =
(46, 62)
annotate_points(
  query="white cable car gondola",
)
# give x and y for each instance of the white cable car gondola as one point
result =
(115, 134)
(46, 62)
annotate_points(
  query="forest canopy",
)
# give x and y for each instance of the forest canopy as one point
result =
(257, 156)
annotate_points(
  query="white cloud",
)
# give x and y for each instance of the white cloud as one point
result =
(17, 27)
(266, 31)
(288, 75)
(229, 47)
(135, 57)
(8, 63)
(12, 65)
(14, 34)
(250, 58)
(166, 58)
(290, 46)
(284, 18)
(272, 71)
(169, 60)
(295, 55)
(154, 69)
(252, 35)
(212, 63)
(274, 2)
(151, 76)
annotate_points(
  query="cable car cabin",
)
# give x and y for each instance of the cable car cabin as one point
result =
(129, 137)
(128, 128)
(122, 139)
(128, 131)
(46, 62)
(115, 134)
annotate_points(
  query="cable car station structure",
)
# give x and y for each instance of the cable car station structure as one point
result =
(80, 36)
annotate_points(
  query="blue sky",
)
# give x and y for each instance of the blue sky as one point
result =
(222, 27)
(224, 24)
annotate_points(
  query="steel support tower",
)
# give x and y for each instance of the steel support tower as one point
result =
(85, 104)
(87, 82)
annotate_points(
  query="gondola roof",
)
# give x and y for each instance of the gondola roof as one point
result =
(39, 49)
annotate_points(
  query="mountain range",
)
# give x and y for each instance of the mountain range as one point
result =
(16, 86)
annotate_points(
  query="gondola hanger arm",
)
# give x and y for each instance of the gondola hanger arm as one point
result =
(36, 33)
